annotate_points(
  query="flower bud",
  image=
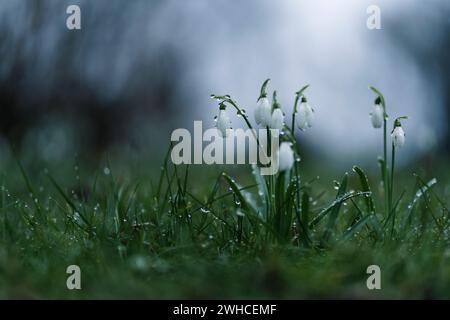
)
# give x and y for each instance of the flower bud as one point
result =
(277, 119)
(285, 157)
(377, 115)
(223, 121)
(263, 112)
(305, 115)
(398, 137)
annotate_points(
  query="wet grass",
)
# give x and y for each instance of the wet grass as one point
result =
(195, 232)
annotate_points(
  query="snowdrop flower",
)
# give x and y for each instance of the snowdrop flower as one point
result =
(377, 114)
(305, 115)
(277, 119)
(285, 157)
(223, 121)
(398, 135)
(263, 112)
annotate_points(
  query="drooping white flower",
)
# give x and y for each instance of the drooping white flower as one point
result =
(305, 115)
(377, 115)
(223, 121)
(263, 112)
(285, 157)
(398, 137)
(277, 119)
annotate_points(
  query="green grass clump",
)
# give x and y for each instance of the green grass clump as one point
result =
(186, 235)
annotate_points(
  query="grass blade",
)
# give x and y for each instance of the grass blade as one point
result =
(339, 201)
(245, 201)
(357, 227)
(365, 188)
(335, 210)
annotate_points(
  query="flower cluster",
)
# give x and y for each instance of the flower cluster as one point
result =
(378, 117)
(269, 115)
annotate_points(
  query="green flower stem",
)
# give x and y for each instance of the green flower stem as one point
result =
(391, 188)
(270, 178)
(297, 98)
(239, 110)
(385, 169)
(291, 132)
(297, 152)
(385, 177)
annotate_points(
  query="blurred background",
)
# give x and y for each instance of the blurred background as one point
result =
(139, 69)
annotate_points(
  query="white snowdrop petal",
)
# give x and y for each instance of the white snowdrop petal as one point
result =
(223, 122)
(309, 115)
(377, 116)
(300, 117)
(285, 157)
(398, 137)
(277, 120)
(304, 116)
(258, 112)
(263, 112)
